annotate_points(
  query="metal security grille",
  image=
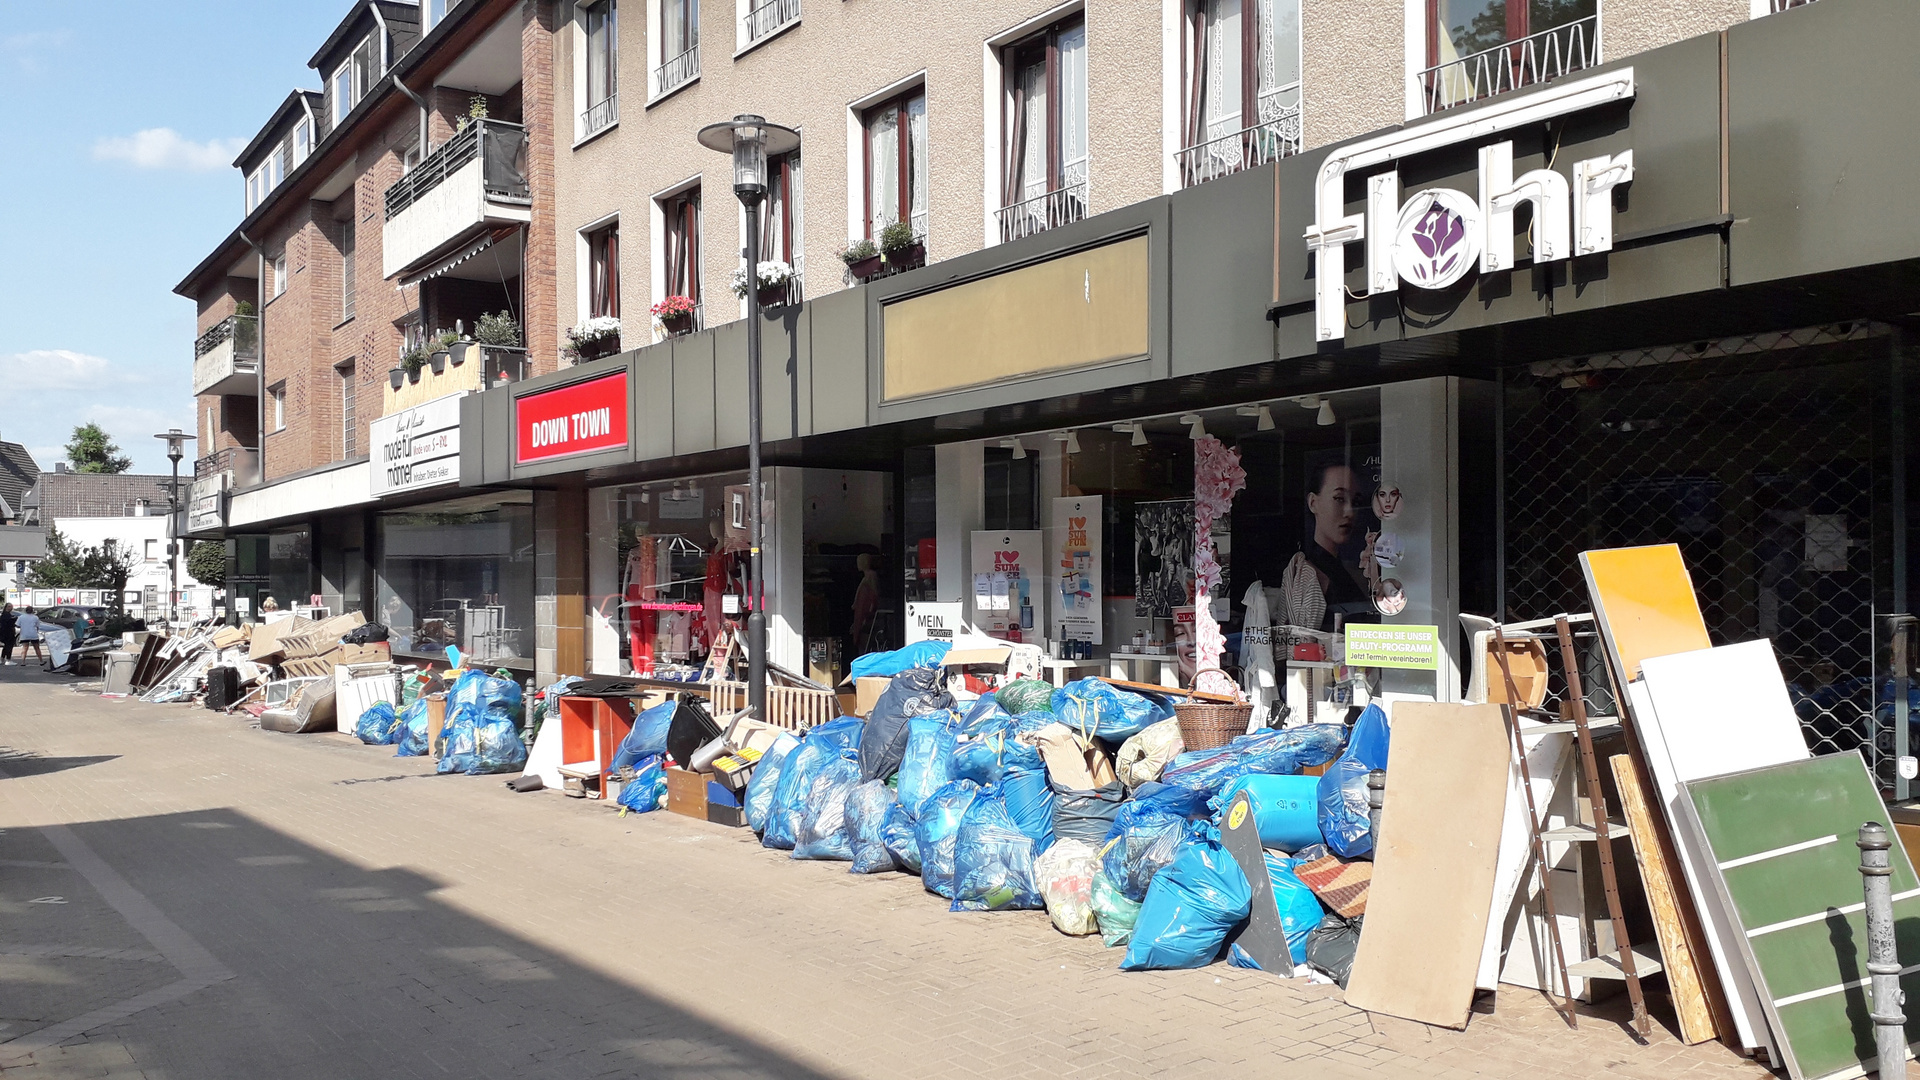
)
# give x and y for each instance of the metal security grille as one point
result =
(1757, 455)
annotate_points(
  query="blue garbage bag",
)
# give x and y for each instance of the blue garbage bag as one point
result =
(413, 731)
(821, 832)
(920, 654)
(1030, 802)
(765, 778)
(901, 843)
(928, 762)
(993, 748)
(1192, 907)
(1343, 788)
(379, 725)
(486, 694)
(867, 810)
(647, 790)
(648, 737)
(934, 831)
(1300, 910)
(1286, 809)
(993, 860)
(1095, 708)
(482, 739)
(1145, 838)
(822, 744)
(1280, 753)
(983, 715)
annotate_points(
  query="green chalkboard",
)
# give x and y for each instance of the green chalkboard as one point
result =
(1782, 841)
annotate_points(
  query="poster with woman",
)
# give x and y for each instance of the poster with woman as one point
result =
(1162, 557)
(1335, 572)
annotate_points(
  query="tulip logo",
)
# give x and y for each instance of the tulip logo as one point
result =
(1438, 239)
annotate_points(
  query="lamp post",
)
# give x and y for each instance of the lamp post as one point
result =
(751, 140)
(175, 441)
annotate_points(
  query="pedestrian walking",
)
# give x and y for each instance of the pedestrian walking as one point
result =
(28, 626)
(9, 633)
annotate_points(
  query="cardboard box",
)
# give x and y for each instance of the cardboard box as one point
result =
(687, 793)
(264, 646)
(436, 719)
(373, 652)
(867, 691)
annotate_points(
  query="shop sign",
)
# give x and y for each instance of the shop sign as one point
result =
(1435, 237)
(206, 503)
(580, 418)
(1076, 566)
(933, 622)
(1006, 566)
(417, 447)
(1378, 645)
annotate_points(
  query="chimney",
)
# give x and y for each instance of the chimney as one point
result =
(59, 466)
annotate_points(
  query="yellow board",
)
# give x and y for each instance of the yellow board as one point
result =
(1644, 600)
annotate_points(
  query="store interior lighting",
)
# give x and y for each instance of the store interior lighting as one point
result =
(1196, 427)
(1264, 413)
(1071, 438)
(1136, 429)
(1324, 417)
(1019, 448)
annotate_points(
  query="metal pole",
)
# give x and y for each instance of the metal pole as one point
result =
(173, 543)
(756, 598)
(1883, 963)
(1376, 803)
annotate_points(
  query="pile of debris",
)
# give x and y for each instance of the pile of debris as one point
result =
(281, 672)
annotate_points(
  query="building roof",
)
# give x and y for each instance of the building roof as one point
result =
(83, 495)
(18, 474)
(294, 107)
(358, 21)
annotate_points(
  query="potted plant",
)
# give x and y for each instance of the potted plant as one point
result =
(862, 259)
(773, 280)
(411, 361)
(497, 336)
(900, 248)
(675, 314)
(593, 339)
(446, 340)
(396, 376)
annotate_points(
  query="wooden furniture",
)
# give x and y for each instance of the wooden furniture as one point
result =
(1061, 672)
(1123, 665)
(591, 730)
(790, 707)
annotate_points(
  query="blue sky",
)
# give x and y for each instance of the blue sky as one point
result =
(120, 123)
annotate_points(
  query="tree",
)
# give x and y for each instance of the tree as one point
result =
(91, 451)
(207, 562)
(70, 566)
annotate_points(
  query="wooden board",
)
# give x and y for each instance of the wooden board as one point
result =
(1691, 982)
(1433, 875)
(1781, 840)
(1644, 602)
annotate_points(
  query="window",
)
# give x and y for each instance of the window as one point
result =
(1478, 48)
(277, 167)
(279, 274)
(602, 68)
(679, 45)
(780, 239)
(896, 149)
(682, 214)
(349, 431)
(1045, 144)
(1243, 86)
(766, 16)
(342, 93)
(256, 188)
(603, 272)
(436, 10)
(348, 246)
(277, 406)
(153, 550)
(302, 141)
(355, 78)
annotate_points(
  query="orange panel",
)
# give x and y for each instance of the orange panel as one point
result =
(1644, 600)
(577, 715)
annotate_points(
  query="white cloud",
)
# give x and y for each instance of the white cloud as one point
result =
(56, 369)
(30, 51)
(165, 148)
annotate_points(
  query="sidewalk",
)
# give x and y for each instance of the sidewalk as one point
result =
(238, 903)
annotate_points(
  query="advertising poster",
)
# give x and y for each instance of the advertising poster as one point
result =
(1076, 569)
(1162, 557)
(1008, 572)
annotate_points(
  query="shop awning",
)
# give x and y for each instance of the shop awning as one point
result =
(460, 255)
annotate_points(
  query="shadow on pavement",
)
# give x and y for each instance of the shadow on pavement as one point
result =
(24, 763)
(349, 972)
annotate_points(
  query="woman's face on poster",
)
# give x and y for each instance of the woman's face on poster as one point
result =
(1332, 507)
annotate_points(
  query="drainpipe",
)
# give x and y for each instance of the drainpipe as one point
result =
(422, 103)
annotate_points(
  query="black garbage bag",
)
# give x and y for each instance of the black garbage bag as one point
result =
(365, 634)
(912, 693)
(1331, 945)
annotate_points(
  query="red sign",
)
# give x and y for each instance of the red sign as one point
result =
(577, 419)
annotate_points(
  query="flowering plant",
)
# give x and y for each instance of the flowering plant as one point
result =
(593, 337)
(674, 307)
(769, 274)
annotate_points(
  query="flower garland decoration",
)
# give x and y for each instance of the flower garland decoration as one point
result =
(1217, 478)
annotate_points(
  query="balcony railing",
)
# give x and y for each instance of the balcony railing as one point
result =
(226, 359)
(1061, 206)
(243, 463)
(500, 147)
(677, 72)
(600, 117)
(764, 18)
(1274, 136)
(1778, 6)
(1534, 59)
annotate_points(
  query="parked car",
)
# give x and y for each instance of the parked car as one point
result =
(80, 621)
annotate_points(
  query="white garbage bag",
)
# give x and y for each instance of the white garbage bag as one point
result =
(1065, 876)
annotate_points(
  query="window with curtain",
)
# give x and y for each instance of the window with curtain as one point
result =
(682, 214)
(679, 27)
(602, 65)
(347, 247)
(603, 272)
(1568, 40)
(1045, 130)
(896, 172)
(780, 234)
(1243, 77)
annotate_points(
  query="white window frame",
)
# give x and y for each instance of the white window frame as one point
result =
(583, 268)
(302, 140)
(743, 44)
(341, 108)
(856, 151)
(277, 399)
(994, 108)
(152, 550)
(657, 248)
(256, 188)
(657, 46)
(280, 274)
(349, 420)
(580, 60)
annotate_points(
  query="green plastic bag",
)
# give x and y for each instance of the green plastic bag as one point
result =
(1022, 696)
(1114, 912)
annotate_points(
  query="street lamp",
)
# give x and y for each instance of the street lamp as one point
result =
(751, 140)
(175, 441)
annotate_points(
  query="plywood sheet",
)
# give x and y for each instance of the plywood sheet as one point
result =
(1708, 713)
(1433, 876)
(1691, 982)
(1781, 844)
(1644, 601)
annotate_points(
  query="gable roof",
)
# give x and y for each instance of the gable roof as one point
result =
(296, 105)
(85, 495)
(18, 473)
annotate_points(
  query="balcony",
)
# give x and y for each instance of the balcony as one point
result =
(766, 18)
(1224, 152)
(1529, 61)
(600, 117)
(677, 71)
(226, 359)
(1041, 212)
(476, 180)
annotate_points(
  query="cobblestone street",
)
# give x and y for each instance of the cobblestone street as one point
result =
(186, 896)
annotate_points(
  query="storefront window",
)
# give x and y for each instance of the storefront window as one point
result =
(680, 559)
(460, 573)
(289, 568)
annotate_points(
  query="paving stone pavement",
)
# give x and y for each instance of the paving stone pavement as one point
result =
(227, 902)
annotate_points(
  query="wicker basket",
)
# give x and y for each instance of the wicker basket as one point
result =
(1205, 725)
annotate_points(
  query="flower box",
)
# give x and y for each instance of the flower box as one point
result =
(866, 269)
(911, 257)
(678, 325)
(773, 296)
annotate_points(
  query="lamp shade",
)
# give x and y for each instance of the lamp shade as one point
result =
(751, 141)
